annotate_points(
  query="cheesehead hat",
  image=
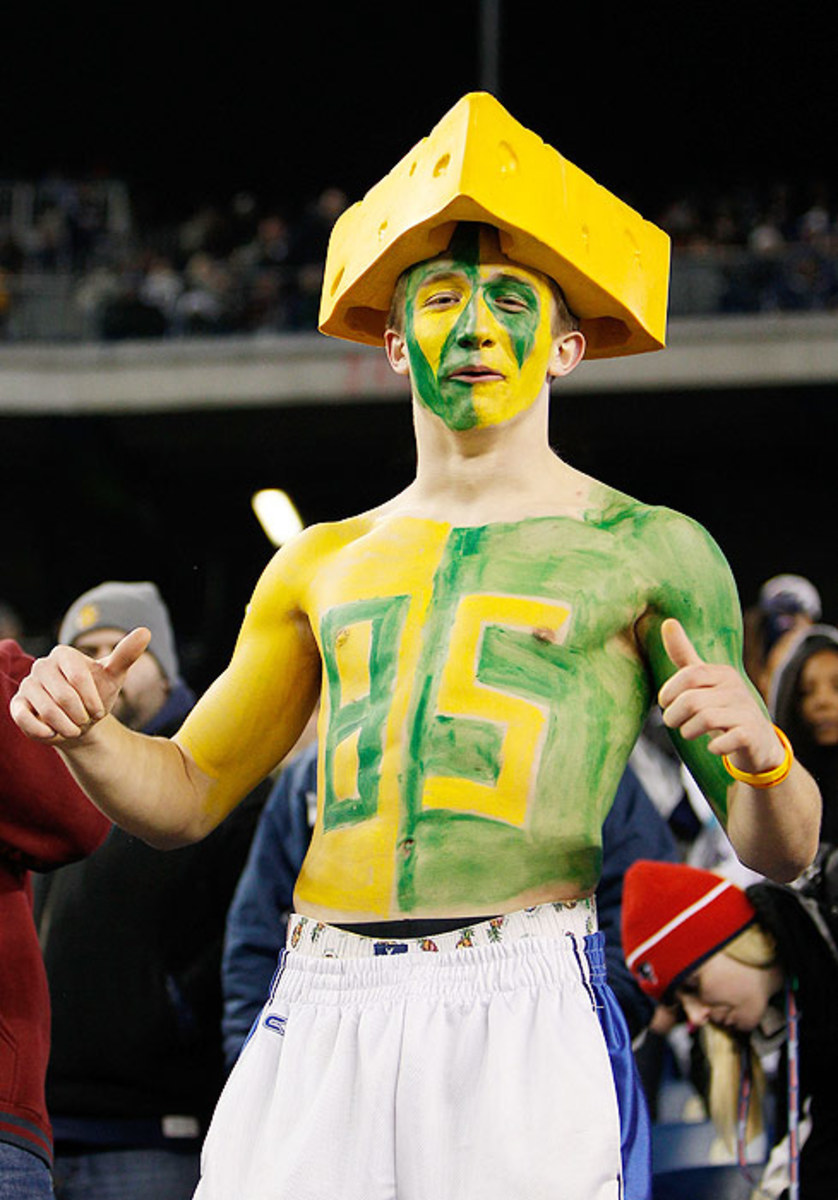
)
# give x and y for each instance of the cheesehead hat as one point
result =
(480, 164)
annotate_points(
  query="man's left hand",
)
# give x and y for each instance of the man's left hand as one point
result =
(714, 699)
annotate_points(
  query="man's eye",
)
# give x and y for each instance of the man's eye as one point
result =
(512, 303)
(441, 300)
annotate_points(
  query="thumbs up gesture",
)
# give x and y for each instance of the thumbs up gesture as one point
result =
(712, 698)
(67, 693)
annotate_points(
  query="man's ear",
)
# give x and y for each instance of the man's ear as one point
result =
(396, 348)
(568, 351)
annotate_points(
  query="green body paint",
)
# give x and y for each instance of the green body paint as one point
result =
(453, 399)
(365, 716)
(588, 735)
(620, 573)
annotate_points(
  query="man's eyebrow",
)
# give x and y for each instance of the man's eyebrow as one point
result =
(438, 274)
(504, 276)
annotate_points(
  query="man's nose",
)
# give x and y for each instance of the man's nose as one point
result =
(477, 325)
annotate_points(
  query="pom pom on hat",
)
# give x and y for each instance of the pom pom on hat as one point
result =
(675, 917)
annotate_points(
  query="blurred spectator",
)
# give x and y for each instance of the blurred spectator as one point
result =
(766, 236)
(132, 944)
(203, 231)
(45, 821)
(243, 219)
(205, 306)
(757, 971)
(259, 912)
(268, 248)
(11, 254)
(162, 286)
(126, 314)
(262, 272)
(5, 299)
(11, 626)
(48, 243)
(699, 836)
(806, 279)
(786, 604)
(94, 294)
(307, 254)
(742, 250)
(310, 235)
(803, 700)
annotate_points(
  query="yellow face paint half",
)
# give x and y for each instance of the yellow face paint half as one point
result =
(478, 330)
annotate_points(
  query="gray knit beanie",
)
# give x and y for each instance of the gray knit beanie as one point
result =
(125, 606)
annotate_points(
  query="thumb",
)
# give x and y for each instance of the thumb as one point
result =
(677, 645)
(125, 653)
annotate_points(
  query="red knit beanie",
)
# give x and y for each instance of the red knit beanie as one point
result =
(675, 917)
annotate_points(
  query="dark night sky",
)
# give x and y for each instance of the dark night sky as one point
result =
(648, 98)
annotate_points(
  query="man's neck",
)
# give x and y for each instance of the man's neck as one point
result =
(502, 472)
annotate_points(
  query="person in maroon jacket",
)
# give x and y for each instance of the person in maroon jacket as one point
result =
(45, 821)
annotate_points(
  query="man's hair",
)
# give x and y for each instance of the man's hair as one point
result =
(563, 320)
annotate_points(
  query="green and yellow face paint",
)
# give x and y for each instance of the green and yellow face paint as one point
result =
(478, 332)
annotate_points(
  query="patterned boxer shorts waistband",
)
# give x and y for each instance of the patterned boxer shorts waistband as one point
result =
(317, 939)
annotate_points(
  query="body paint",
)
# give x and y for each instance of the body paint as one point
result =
(469, 311)
(482, 690)
(516, 694)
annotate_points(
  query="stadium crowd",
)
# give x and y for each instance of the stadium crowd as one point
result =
(75, 264)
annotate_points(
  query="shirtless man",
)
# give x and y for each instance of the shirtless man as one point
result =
(489, 642)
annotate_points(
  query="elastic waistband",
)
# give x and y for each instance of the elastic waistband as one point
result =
(546, 946)
(317, 939)
(481, 972)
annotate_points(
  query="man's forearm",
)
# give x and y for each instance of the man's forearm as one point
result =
(148, 786)
(775, 830)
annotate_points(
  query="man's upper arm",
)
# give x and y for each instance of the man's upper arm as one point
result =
(693, 583)
(254, 712)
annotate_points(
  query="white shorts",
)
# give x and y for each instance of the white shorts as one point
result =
(469, 1066)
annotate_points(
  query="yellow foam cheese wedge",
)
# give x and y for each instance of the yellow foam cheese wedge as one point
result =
(480, 164)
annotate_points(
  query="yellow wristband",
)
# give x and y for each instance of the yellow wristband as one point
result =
(765, 779)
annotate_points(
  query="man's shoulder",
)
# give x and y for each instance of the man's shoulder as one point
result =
(325, 536)
(617, 511)
(304, 553)
(665, 546)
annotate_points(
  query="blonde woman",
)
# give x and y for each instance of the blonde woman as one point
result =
(754, 970)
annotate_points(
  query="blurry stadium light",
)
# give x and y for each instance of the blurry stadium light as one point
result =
(276, 514)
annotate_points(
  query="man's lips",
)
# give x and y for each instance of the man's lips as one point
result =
(474, 374)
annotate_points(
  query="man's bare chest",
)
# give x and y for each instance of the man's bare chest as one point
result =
(485, 677)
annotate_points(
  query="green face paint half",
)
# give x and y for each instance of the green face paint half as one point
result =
(477, 330)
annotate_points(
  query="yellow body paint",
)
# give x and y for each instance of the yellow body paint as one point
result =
(482, 689)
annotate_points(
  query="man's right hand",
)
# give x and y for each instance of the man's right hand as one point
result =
(67, 693)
